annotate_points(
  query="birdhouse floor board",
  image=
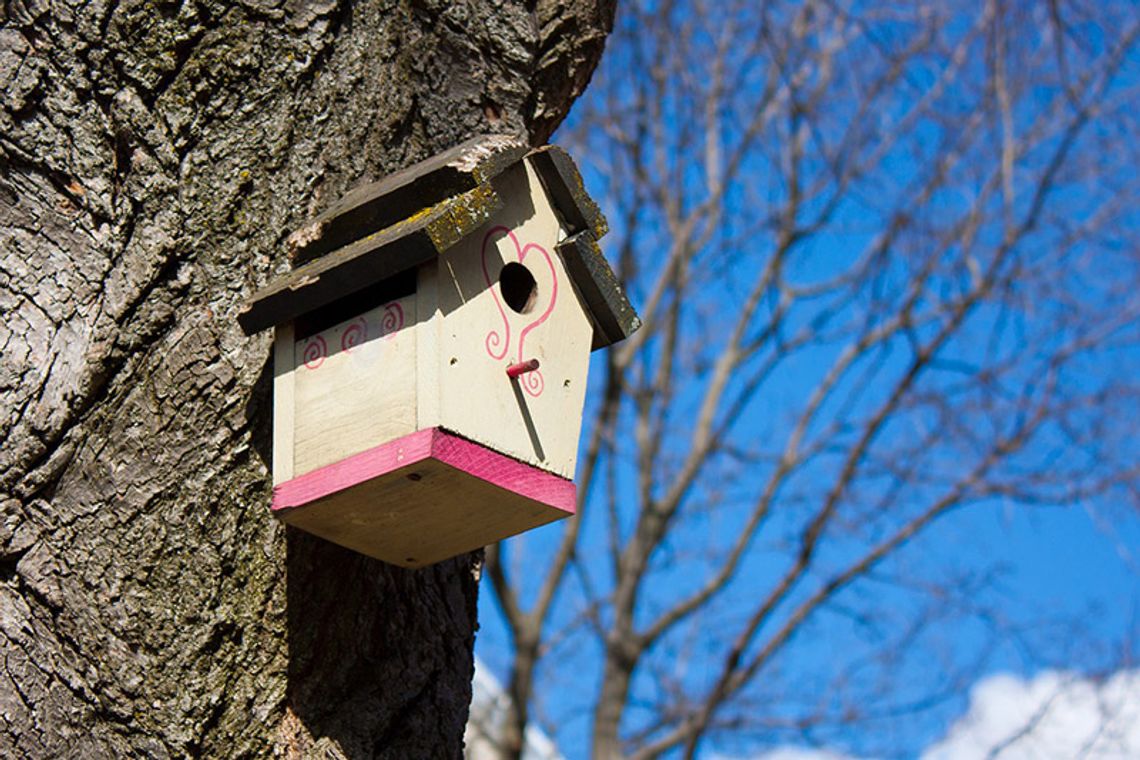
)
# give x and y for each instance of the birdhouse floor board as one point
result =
(423, 498)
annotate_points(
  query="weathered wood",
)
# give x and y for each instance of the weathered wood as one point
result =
(613, 317)
(423, 498)
(412, 241)
(611, 313)
(439, 358)
(429, 329)
(405, 193)
(369, 260)
(450, 365)
(562, 180)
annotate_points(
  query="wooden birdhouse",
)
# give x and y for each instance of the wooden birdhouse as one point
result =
(432, 344)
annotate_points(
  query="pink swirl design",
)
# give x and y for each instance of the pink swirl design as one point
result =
(532, 382)
(315, 352)
(393, 320)
(353, 335)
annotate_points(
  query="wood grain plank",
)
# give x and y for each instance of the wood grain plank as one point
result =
(355, 385)
(428, 329)
(563, 182)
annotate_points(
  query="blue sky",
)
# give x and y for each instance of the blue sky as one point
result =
(1010, 581)
(1062, 563)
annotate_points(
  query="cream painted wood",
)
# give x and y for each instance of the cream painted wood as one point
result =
(354, 385)
(429, 324)
(481, 336)
(283, 403)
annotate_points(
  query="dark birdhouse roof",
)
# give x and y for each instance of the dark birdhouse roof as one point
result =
(406, 219)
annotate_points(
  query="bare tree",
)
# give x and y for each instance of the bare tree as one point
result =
(153, 158)
(885, 255)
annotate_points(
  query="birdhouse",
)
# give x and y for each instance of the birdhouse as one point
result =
(431, 349)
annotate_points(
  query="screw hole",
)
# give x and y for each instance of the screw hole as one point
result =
(518, 287)
(415, 476)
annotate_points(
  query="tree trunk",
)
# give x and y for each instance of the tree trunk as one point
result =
(153, 157)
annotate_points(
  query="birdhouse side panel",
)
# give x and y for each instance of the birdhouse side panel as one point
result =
(506, 299)
(354, 385)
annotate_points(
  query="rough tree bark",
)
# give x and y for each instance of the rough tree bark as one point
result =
(153, 157)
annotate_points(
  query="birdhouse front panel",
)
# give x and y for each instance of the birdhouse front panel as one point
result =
(506, 301)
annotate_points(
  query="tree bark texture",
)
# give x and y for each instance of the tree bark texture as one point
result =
(153, 158)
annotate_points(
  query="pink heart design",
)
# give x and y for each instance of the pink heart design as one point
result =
(532, 381)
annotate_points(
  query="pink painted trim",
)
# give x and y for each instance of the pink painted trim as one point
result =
(471, 458)
(353, 470)
(504, 472)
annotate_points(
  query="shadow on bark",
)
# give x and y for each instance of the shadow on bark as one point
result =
(370, 669)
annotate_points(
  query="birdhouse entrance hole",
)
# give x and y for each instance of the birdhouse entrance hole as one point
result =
(518, 287)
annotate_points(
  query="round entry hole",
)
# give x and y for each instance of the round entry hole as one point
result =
(518, 287)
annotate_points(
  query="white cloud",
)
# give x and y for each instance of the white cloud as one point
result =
(489, 705)
(801, 753)
(1054, 716)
